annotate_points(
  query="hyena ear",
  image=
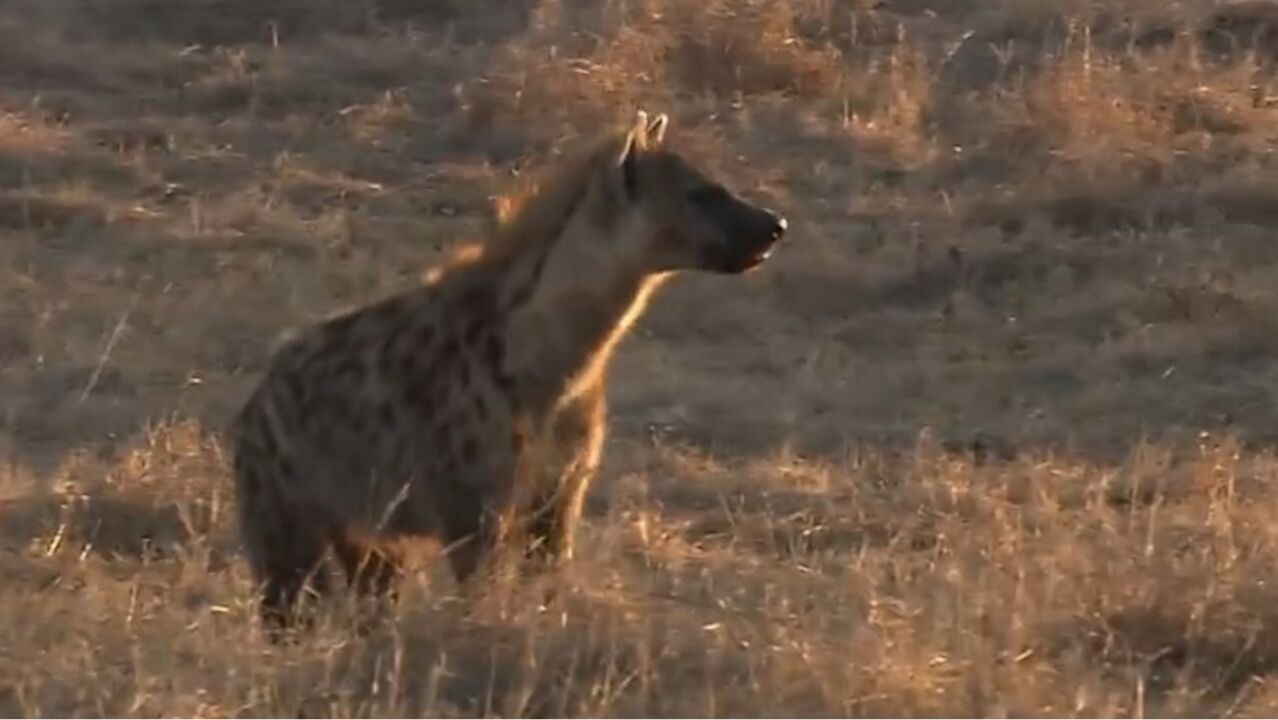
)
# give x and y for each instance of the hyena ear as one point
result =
(636, 139)
(656, 130)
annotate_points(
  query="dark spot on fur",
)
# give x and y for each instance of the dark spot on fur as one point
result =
(355, 424)
(493, 352)
(310, 405)
(386, 416)
(478, 301)
(293, 384)
(481, 408)
(448, 465)
(386, 359)
(348, 369)
(473, 330)
(440, 367)
(469, 450)
(451, 349)
(407, 363)
(418, 391)
(425, 335)
(399, 454)
(442, 435)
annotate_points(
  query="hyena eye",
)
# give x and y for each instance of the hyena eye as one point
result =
(708, 196)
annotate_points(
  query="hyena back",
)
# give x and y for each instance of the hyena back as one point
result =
(473, 406)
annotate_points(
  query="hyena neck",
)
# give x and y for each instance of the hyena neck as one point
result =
(582, 303)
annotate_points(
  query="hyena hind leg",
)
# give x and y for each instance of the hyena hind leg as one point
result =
(370, 571)
(285, 551)
(473, 537)
(287, 572)
(372, 575)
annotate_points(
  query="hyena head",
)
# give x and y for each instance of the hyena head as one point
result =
(678, 216)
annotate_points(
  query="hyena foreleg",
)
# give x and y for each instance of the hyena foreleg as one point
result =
(577, 436)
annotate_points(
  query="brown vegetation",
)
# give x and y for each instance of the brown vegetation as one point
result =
(991, 435)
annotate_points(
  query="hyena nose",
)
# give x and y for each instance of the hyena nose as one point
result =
(779, 225)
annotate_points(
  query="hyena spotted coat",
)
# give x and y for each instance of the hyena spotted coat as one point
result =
(472, 406)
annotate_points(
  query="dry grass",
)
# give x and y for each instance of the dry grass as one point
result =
(1013, 454)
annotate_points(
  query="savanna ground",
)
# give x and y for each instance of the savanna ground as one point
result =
(993, 434)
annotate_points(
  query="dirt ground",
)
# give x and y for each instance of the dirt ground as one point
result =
(992, 434)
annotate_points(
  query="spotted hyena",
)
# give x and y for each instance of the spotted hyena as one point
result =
(472, 407)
